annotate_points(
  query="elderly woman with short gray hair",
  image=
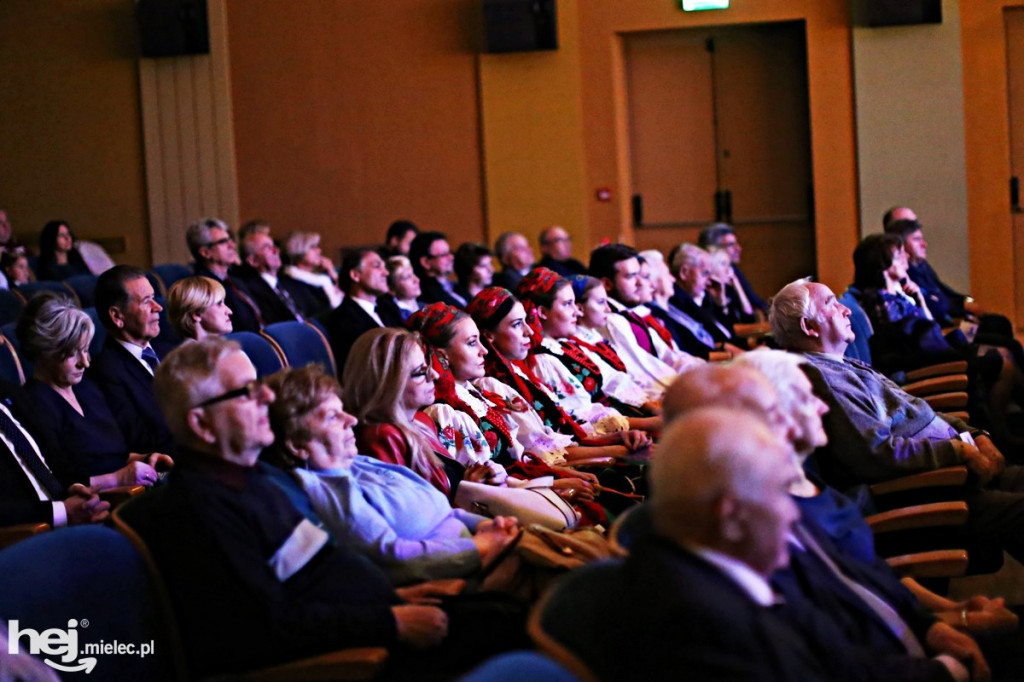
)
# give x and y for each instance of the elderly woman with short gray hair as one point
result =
(55, 335)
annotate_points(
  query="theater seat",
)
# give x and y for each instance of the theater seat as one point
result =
(266, 356)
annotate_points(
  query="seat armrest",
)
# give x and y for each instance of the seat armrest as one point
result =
(364, 663)
(121, 494)
(942, 563)
(945, 477)
(919, 516)
(947, 401)
(16, 533)
(955, 367)
(719, 356)
(590, 462)
(942, 384)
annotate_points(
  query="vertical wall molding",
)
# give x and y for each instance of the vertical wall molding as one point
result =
(189, 142)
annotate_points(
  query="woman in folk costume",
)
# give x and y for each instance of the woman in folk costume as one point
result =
(592, 301)
(564, 366)
(478, 425)
(501, 319)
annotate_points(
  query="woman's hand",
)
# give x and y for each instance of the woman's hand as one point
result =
(489, 473)
(574, 489)
(136, 473)
(635, 440)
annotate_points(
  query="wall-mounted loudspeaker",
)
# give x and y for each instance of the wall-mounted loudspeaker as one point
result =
(171, 28)
(897, 12)
(520, 25)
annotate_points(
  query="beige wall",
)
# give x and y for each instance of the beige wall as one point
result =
(70, 130)
(908, 87)
(349, 115)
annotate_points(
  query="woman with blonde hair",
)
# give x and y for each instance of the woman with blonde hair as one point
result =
(387, 383)
(196, 308)
(308, 265)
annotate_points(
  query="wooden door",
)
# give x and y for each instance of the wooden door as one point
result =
(1015, 95)
(724, 110)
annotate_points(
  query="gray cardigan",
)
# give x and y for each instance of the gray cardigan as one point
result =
(876, 430)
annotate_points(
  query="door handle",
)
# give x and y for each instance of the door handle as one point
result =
(1015, 194)
(638, 210)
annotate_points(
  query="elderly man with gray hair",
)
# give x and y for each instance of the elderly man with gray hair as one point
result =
(877, 431)
(723, 236)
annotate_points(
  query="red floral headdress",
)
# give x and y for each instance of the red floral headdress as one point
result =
(540, 281)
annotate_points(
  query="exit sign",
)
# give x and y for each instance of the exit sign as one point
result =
(695, 5)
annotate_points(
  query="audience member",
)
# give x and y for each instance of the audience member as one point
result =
(501, 319)
(731, 302)
(516, 257)
(54, 334)
(897, 213)
(642, 341)
(364, 278)
(474, 269)
(312, 272)
(14, 268)
(659, 277)
(214, 251)
(253, 582)
(404, 286)
(124, 370)
(274, 296)
(385, 511)
(399, 238)
(196, 308)
(58, 258)
(878, 431)
(690, 315)
(722, 235)
(562, 365)
(7, 243)
(556, 247)
(433, 262)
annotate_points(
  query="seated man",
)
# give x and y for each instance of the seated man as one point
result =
(722, 519)
(877, 431)
(278, 297)
(556, 245)
(638, 339)
(364, 279)
(215, 252)
(723, 236)
(36, 481)
(252, 580)
(433, 262)
(516, 257)
(124, 370)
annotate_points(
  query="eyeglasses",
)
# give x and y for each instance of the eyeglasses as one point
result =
(225, 240)
(440, 255)
(251, 391)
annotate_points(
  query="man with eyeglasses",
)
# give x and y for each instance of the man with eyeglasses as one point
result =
(253, 581)
(723, 236)
(124, 369)
(364, 279)
(433, 262)
(556, 245)
(214, 250)
(276, 295)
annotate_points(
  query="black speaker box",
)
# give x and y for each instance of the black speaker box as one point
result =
(172, 28)
(899, 12)
(520, 25)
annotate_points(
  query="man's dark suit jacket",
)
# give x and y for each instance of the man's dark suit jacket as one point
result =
(507, 278)
(431, 291)
(243, 318)
(272, 308)
(348, 322)
(565, 268)
(673, 611)
(19, 502)
(311, 301)
(128, 388)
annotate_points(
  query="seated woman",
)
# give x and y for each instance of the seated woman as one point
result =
(58, 258)
(563, 366)
(14, 265)
(507, 338)
(387, 384)
(308, 266)
(592, 301)
(730, 301)
(385, 511)
(55, 335)
(906, 337)
(404, 286)
(474, 268)
(196, 308)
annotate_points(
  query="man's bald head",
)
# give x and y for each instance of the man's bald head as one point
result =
(716, 385)
(720, 481)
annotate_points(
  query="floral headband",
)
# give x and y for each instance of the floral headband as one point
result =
(489, 307)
